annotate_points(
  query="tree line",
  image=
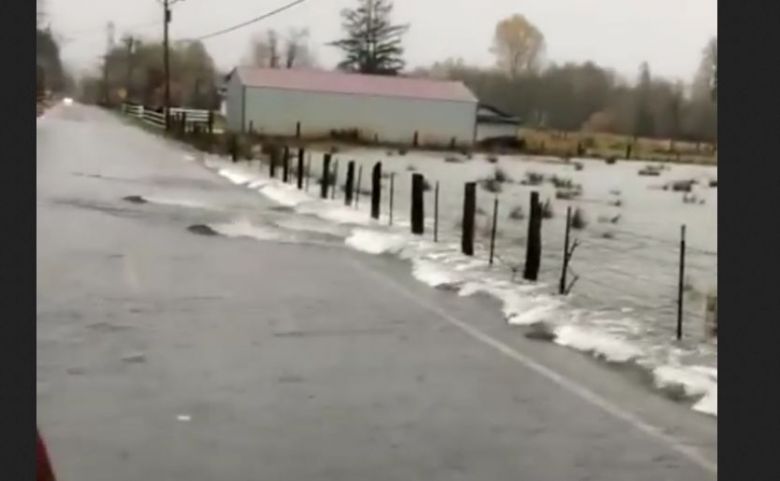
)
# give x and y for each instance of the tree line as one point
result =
(572, 96)
(586, 96)
(133, 71)
(50, 74)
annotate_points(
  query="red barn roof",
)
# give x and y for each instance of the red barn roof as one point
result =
(354, 84)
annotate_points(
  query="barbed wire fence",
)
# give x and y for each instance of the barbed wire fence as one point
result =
(647, 274)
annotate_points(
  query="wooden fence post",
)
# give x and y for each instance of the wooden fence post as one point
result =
(325, 176)
(493, 230)
(300, 168)
(286, 164)
(211, 122)
(272, 165)
(416, 139)
(436, 214)
(376, 190)
(681, 285)
(418, 209)
(533, 251)
(565, 268)
(297, 130)
(308, 171)
(469, 211)
(359, 182)
(234, 147)
(335, 185)
(349, 184)
(392, 195)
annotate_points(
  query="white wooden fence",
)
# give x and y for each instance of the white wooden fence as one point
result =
(191, 117)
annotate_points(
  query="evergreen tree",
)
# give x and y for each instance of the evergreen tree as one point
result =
(372, 44)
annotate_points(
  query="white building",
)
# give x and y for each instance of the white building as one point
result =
(319, 104)
(495, 124)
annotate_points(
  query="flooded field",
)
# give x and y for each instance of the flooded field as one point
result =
(623, 303)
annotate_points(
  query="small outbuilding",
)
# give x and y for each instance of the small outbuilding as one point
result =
(494, 124)
(323, 104)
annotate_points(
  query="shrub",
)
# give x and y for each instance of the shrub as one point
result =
(561, 182)
(501, 176)
(682, 185)
(411, 168)
(533, 178)
(491, 185)
(517, 213)
(578, 219)
(453, 159)
(565, 194)
(492, 159)
(611, 160)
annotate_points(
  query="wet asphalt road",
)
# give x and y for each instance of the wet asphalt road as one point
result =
(166, 355)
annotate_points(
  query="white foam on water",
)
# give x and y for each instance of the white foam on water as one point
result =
(284, 194)
(433, 274)
(523, 305)
(708, 404)
(695, 382)
(194, 204)
(598, 344)
(237, 176)
(244, 228)
(340, 214)
(308, 224)
(374, 242)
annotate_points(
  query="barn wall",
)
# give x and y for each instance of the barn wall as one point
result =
(276, 112)
(233, 103)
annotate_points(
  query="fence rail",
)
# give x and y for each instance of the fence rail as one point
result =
(187, 119)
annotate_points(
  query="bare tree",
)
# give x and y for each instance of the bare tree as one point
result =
(705, 83)
(296, 50)
(264, 50)
(269, 50)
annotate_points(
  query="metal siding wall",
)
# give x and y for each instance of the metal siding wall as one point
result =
(233, 103)
(276, 112)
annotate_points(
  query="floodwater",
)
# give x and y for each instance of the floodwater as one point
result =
(627, 260)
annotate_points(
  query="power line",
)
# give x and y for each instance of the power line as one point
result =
(251, 21)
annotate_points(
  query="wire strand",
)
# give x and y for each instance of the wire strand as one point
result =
(250, 21)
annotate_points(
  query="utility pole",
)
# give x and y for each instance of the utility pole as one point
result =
(166, 63)
(109, 47)
(166, 60)
(130, 43)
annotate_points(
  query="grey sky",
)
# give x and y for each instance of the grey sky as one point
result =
(669, 34)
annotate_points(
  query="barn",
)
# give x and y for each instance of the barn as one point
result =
(494, 124)
(323, 104)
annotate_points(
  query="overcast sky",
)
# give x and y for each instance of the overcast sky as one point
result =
(669, 34)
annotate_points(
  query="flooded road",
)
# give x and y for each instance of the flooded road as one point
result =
(189, 328)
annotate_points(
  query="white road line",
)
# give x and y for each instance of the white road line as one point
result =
(573, 387)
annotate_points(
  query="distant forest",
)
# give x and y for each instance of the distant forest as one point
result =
(585, 96)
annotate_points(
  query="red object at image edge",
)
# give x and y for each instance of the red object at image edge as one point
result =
(43, 470)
